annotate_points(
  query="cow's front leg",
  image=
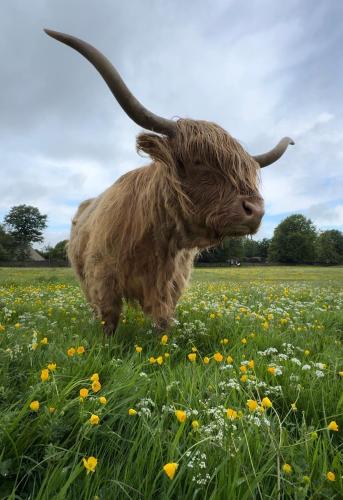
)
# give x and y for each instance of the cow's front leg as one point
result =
(110, 316)
(103, 297)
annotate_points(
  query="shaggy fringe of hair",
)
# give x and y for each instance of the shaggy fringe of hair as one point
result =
(152, 197)
(209, 143)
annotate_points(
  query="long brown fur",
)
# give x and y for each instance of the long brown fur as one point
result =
(138, 239)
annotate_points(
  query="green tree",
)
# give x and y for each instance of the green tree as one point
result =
(330, 247)
(233, 248)
(230, 248)
(59, 251)
(263, 248)
(293, 241)
(6, 245)
(255, 248)
(212, 255)
(25, 224)
(250, 247)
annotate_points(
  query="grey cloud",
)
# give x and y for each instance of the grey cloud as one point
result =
(262, 69)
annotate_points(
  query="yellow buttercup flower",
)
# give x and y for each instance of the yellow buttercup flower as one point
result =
(52, 367)
(294, 407)
(231, 414)
(244, 378)
(271, 370)
(17, 325)
(34, 406)
(194, 349)
(229, 360)
(44, 375)
(34, 346)
(159, 360)
(132, 412)
(71, 352)
(95, 377)
(266, 403)
(306, 352)
(195, 424)
(170, 469)
(52, 409)
(252, 404)
(206, 360)
(251, 364)
(96, 386)
(94, 419)
(333, 426)
(244, 341)
(218, 357)
(287, 469)
(138, 348)
(152, 360)
(44, 341)
(80, 350)
(102, 400)
(164, 340)
(84, 393)
(90, 464)
(192, 357)
(243, 369)
(340, 374)
(331, 476)
(181, 415)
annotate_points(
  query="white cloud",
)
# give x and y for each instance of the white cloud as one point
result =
(275, 72)
(325, 215)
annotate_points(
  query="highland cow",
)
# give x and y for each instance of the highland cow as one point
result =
(138, 239)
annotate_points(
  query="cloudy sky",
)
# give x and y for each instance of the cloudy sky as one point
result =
(261, 69)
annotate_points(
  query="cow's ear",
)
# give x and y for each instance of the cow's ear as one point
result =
(156, 146)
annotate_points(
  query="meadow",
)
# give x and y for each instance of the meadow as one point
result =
(242, 398)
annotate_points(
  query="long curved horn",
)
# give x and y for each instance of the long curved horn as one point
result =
(136, 111)
(275, 153)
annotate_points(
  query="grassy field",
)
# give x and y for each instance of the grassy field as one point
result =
(241, 399)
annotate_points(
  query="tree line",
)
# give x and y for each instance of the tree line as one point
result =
(296, 240)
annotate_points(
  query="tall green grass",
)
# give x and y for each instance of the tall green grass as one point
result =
(287, 320)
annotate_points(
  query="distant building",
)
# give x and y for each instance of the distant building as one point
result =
(35, 256)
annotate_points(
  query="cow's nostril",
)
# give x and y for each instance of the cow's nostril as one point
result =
(248, 208)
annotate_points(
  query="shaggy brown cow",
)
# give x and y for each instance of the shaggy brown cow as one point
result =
(138, 239)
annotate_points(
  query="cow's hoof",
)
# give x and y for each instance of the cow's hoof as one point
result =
(109, 330)
(161, 325)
